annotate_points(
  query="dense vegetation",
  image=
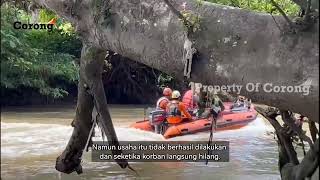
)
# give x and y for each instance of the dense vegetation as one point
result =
(265, 6)
(37, 60)
(45, 64)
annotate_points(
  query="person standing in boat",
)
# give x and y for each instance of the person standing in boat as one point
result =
(209, 105)
(216, 105)
(165, 99)
(176, 110)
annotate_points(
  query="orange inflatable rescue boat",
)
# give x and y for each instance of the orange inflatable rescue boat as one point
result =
(230, 118)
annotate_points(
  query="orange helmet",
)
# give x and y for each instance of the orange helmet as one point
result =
(167, 91)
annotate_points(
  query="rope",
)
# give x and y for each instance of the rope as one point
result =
(211, 136)
(192, 99)
(90, 133)
(213, 126)
(92, 128)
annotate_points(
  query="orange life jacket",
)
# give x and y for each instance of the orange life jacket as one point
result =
(188, 101)
(175, 110)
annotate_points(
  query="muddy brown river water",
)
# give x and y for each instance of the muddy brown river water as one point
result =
(32, 138)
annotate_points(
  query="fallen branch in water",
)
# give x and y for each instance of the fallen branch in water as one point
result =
(289, 120)
(289, 165)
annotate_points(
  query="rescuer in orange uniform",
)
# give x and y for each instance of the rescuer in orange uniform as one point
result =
(190, 100)
(165, 99)
(176, 109)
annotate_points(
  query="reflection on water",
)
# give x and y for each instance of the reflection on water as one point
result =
(32, 138)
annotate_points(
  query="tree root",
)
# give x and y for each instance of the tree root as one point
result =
(299, 24)
(289, 165)
(313, 130)
(288, 118)
(282, 13)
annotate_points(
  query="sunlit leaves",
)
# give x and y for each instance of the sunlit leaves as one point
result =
(37, 58)
(261, 5)
(164, 80)
(46, 15)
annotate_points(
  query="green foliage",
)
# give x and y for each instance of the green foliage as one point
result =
(67, 28)
(193, 19)
(36, 58)
(261, 5)
(46, 15)
(164, 80)
(56, 41)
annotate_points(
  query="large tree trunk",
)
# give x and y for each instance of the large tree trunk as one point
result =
(70, 159)
(90, 94)
(93, 60)
(289, 165)
(234, 45)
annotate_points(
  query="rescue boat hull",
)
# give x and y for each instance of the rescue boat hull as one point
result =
(227, 120)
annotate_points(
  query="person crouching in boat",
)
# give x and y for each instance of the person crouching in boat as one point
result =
(240, 102)
(165, 99)
(176, 110)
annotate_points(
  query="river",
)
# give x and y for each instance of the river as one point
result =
(32, 138)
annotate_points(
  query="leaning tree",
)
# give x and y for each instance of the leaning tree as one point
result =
(206, 43)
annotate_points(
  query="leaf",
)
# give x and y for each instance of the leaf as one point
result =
(12, 44)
